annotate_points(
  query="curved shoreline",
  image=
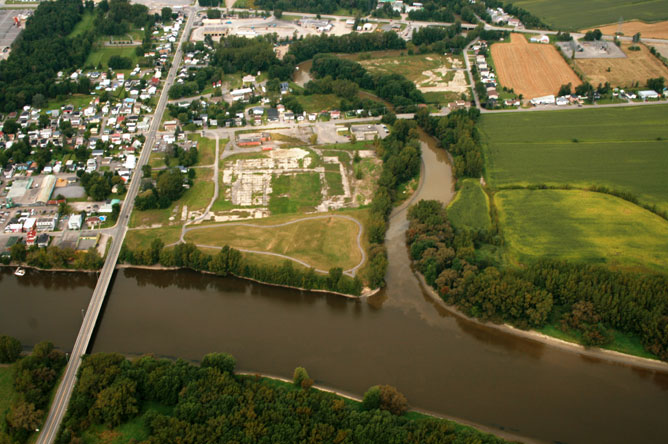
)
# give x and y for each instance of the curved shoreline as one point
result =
(597, 353)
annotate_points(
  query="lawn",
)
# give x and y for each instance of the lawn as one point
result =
(132, 431)
(76, 100)
(206, 148)
(86, 23)
(334, 183)
(292, 193)
(315, 103)
(322, 243)
(351, 146)
(572, 15)
(102, 54)
(470, 207)
(624, 149)
(581, 226)
(7, 392)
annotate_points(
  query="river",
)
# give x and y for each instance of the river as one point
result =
(401, 337)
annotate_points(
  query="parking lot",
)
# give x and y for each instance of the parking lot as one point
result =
(8, 30)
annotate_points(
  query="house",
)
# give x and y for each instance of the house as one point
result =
(249, 79)
(241, 94)
(74, 223)
(43, 240)
(492, 94)
(284, 87)
(335, 114)
(171, 125)
(561, 101)
(545, 100)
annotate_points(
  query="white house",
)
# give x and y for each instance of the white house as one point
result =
(545, 100)
(74, 222)
(648, 94)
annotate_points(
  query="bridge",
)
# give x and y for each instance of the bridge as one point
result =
(64, 392)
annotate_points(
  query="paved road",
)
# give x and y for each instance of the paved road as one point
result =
(64, 392)
(350, 272)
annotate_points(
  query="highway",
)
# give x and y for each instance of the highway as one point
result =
(64, 392)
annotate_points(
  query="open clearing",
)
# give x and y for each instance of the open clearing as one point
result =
(638, 66)
(470, 207)
(531, 69)
(429, 72)
(322, 243)
(572, 15)
(616, 147)
(581, 226)
(657, 30)
(102, 54)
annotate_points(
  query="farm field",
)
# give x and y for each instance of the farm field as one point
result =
(624, 149)
(581, 226)
(531, 69)
(638, 66)
(571, 15)
(470, 207)
(322, 243)
(657, 30)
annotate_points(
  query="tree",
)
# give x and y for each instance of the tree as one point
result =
(24, 416)
(221, 361)
(392, 401)
(636, 38)
(10, 349)
(278, 13)
(565, 90)
(115, 404)
(170, 184)
(371, 400)
(657, 84)
(166, 14)
(18, 252)
(38, 100)
(299, 376)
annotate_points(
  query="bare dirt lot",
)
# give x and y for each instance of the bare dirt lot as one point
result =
(638, 66)
(657, 30)
(531, 69)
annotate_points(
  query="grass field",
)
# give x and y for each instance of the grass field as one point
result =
(638, 66)
(334, 183)
(295, 193)
(86, 23)
(622, 148)
(581, 226)
(572, 15)
(470, 207)
(143, 238)
(531, 69)
(648, 30)
(102, 54)
(315, 103)
(206, 148)
(322, 243)
(76, 100)
(7, 392)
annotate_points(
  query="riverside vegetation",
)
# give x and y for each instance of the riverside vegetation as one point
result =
(151, 400)
(621, 308)
(25, 387)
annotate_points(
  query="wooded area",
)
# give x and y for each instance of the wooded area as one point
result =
(209, 403)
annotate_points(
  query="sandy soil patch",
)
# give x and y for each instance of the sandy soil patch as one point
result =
(531, 69)
(638, 66)
(657, 30)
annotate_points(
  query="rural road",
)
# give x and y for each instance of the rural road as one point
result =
(350, 272)
(64, 390)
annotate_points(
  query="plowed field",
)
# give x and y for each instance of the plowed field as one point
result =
(531, 69)
(657, 30)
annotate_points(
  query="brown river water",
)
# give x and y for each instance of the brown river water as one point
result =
(442, 363)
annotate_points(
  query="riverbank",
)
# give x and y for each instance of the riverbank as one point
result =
(458, 422)
(595, 353)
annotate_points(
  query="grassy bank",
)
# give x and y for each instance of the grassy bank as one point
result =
(470, 207)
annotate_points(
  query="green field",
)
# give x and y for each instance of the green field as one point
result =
(573, 15)
(625, 149)
(295, 193)
(315, 103)
(7, 392)
(470, 207)
(86, 23)
(322, 243)
(581, 226)
(76, 100)
(102, 54)
(142, 238)
(206, 148)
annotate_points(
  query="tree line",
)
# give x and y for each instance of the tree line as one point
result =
(449, 11)
(34, 378)
(590, 300)
(316, 6)
(395, 88)
(450, 38)
(529, 20)
(307, 47)
(401, 155)
(210, 403)
(229, 261)
(44, 43)
(54, 257)
(457, 134)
